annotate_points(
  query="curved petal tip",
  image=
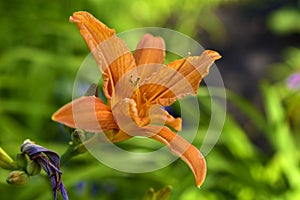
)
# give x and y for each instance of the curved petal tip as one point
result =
(213, 54)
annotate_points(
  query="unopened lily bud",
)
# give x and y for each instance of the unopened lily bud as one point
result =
(17, 178)
(78, 136)
(150, 195)
(6, 162)
(164, 193)
(21, 161)
(33, 168)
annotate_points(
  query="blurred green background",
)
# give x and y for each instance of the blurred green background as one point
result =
(257, 156)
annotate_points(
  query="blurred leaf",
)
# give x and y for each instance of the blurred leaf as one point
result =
(249, 110)
(285, 20)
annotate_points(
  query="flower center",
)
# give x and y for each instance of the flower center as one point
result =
(140, 99)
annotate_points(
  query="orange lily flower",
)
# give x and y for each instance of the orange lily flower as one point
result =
(136, 87)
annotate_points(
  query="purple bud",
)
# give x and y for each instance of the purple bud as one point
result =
(49, 161)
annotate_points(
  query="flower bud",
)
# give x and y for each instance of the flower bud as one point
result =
(150, 195)
(162, 194)
(78, 136)
(17, 178)
(33, 168)
(6, 162)
(21, 161)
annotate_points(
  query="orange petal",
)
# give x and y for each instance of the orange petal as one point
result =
(125, 115)
(175, 123)
(162, 117)
(119, 136)
(111, 53)
(195, 68)
(187, 152)
(180, 78)
(149, 55)
(150, 50)
(178, 145)
(88, 113)
(182, 148)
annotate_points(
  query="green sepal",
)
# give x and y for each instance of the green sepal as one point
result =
(21, 161)
(33, 168)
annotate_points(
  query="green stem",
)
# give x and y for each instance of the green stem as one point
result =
(67, 155)
(76, 149)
